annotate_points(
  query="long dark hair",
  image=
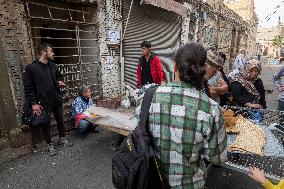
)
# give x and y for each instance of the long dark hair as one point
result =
(190, 60)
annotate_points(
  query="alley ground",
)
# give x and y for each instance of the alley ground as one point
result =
(88, 163)
(267, 72)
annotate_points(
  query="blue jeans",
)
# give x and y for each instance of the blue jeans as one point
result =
(83, 126)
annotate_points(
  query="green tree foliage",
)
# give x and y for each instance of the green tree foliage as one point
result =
(278, 41)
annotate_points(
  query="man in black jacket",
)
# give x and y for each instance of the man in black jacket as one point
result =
(42, 82)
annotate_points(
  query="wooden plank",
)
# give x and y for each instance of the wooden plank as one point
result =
(116, 130)
(121, 120)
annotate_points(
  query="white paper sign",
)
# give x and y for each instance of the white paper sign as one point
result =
(114, 36)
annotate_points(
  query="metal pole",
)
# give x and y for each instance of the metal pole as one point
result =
(79, 52)
(121, 64)
(127, 20)
(121, 49)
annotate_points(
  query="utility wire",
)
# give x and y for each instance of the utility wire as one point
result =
(269, 16)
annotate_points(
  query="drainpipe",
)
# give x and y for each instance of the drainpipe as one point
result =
(121, 48)
(121, 63)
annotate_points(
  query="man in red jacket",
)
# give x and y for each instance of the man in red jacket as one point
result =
(149, 69)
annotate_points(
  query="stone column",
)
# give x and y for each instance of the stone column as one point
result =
(109, 16)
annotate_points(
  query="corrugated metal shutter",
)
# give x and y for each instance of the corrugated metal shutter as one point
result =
(161, 27)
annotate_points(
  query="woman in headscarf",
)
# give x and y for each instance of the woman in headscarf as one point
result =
(247, 88)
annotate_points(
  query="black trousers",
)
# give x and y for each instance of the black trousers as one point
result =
(58, 112)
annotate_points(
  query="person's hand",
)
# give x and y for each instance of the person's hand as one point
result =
(163, 82)
(213, 93)
(256, 106)
(61, 84)
(37, 109)
(257, 175)
(222, 110)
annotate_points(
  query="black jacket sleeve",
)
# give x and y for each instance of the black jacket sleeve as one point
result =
(240, 94)
(29, 86)
(260, 89)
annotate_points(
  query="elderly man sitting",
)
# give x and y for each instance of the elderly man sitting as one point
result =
(79, 107)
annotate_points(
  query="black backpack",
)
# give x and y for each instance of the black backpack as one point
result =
(134, 165)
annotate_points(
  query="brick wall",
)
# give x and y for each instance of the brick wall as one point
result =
(16, 44)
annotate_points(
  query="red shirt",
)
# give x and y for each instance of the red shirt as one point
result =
(157, 72)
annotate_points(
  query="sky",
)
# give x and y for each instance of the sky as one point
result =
(263, 8)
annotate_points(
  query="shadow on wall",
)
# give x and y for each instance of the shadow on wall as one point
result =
(168, 66)
(167, 59)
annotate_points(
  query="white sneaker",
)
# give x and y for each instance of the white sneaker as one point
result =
(65, 142)
(51, 150)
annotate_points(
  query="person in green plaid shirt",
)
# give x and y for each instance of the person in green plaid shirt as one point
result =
(186, 124)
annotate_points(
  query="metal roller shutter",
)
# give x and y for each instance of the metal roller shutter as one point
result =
(146, 22)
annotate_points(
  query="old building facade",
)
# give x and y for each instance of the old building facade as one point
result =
(97, 42)
(86, 49)
(265, 38)
(245, 8)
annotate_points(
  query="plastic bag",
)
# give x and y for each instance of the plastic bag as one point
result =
(125, 102)
(132, 94)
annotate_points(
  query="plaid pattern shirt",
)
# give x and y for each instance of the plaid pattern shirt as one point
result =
(186, 125)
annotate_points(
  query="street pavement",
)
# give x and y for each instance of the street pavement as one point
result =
(87, 164)
(266, 75)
